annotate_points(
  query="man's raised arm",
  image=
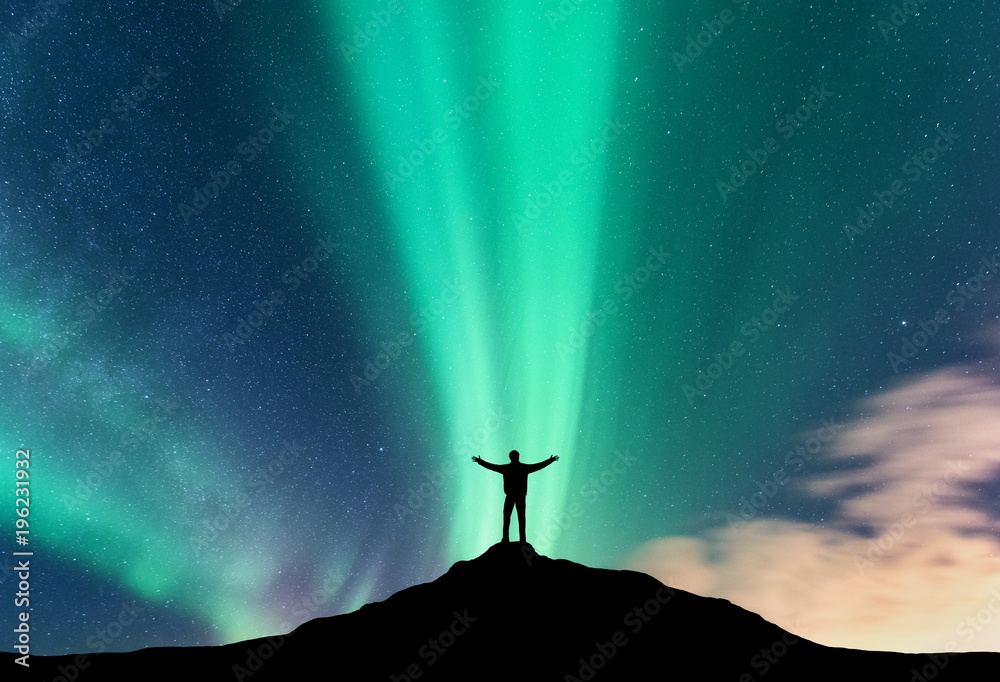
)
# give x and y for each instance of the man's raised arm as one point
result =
(541, 465)
(492, 467)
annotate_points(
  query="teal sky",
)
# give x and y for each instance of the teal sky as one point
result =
(257, 319)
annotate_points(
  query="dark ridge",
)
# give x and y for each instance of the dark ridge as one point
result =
(512, 614)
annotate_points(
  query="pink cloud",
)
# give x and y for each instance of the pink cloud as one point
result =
(929, 579)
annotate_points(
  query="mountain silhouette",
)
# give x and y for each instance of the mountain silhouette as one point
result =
(512, 614)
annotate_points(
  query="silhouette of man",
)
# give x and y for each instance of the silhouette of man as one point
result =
(515, 486)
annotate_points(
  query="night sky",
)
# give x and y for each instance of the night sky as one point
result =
(273, 272)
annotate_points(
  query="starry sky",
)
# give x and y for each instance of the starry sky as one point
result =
(273, 272)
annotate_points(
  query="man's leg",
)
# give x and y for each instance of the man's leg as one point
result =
(520, 517)
(508, 507)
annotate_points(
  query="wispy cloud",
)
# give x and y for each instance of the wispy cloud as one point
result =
(910, 559)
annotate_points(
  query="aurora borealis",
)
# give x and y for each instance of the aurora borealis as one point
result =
(274, 272)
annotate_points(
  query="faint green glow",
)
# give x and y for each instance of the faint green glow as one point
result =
(107, 510)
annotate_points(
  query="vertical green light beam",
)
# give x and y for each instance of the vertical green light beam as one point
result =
(454, 216)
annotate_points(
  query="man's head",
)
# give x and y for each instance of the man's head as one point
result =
(514, 455)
